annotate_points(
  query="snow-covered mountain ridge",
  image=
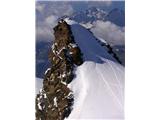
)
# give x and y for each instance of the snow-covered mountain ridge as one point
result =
(98, 83)
(94, 17)
(93, 14)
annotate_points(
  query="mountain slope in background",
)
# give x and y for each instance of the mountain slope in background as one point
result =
(92, 14)
(117, 17)
(42, 62)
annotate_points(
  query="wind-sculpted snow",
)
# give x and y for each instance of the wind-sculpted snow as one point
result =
(99, 83)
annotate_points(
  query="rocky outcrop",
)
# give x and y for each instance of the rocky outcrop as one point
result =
(55, 100)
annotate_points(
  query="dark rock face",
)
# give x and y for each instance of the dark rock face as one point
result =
(55, 100)
(111, 51)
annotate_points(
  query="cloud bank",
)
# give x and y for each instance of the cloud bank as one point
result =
(108, 31)
(47, 14)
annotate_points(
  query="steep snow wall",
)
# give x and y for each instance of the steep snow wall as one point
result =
(99, 83)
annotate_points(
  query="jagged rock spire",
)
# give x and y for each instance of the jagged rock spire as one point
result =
(55, 100)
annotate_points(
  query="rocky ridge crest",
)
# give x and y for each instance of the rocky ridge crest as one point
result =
(55, 99)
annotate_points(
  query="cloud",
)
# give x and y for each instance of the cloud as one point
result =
(44, 29)
(47, 14)
(40, 7)
(108, 3)
(63, 8)
(99, 3)
(50, 20)
(109, 31)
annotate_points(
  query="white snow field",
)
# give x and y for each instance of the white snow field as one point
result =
(39, 83)
(98, 86)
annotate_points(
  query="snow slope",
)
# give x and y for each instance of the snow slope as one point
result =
(39, 84)
(99, 83)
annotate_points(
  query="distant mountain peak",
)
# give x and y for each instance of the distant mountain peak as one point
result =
(92, 14)
(89, 15)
